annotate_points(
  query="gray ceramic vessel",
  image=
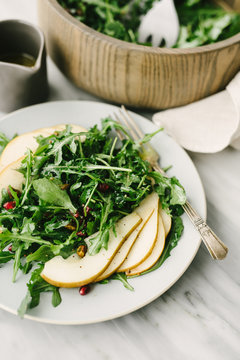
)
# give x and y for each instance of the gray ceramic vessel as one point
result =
(22, 85)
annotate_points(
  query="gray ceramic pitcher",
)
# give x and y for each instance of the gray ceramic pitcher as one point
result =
(23, 75)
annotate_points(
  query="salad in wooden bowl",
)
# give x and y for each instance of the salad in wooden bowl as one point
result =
(90, 42)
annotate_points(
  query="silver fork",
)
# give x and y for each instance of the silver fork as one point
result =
(217, 249)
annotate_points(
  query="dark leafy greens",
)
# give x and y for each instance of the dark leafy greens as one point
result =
(202, 21)
(4, 140)
(77, 185)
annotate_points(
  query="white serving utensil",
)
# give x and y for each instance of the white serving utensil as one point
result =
(161, 22)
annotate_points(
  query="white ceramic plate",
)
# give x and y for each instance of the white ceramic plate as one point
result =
(111, 300)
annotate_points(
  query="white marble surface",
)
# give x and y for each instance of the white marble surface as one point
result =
(198, 318)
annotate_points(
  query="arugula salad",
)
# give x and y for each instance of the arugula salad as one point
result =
(201, 21)
(75, 190)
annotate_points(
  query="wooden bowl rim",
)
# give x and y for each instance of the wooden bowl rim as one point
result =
(136, 47)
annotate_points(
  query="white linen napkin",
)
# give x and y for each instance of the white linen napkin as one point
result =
(208, 125)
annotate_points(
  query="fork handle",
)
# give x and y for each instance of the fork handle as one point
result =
(217, 249)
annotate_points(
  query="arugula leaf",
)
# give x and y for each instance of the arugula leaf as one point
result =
(36, 286)
(171, 242)
(56, 297)
(43, 254)
(51, 193)
(14, 195)
(115, 29)
(4, 197)
(169, 190)
(24, 304)
(5, 256)
(148, 137)
(102, 237)
(17, 261)
(4, 140)
(28, 226)
(28, 181)
(98, 241)
(26, 238)
(123, 278)
(55, 224)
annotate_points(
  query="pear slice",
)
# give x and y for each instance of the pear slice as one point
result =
(9, 176)
(167, 220)
(124, 249)
(75, 271)
(18, 146)
(155, 254)
(145, 241)
(164, 226)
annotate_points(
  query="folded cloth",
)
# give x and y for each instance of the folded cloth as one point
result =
(208, 125)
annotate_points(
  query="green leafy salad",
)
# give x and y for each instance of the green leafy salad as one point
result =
(201, 21)
(76, 185)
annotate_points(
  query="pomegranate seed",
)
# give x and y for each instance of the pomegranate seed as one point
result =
(84, 290)
(76, 215)
(88, 209)
(103, 187)
(80, 233)
(9, 205)
(10, 248)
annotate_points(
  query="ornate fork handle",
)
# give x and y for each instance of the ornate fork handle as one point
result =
(217, 249)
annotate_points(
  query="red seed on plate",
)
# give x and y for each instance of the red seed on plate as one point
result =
(10, 248)
(9, 205)
(84, 290)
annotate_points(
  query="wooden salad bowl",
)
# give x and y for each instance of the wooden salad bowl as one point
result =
(136, 75)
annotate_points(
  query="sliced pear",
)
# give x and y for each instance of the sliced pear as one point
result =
(18, 146)
(155, 254)
(166, 218)
(164, 226)
(146, 240)
(124, 249)
(75, 271)
(9, 176)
